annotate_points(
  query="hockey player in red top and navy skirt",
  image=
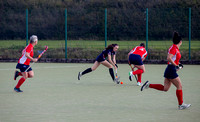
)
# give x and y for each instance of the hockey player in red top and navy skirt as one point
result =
(136, 57)
(24, 62)
(170, 74)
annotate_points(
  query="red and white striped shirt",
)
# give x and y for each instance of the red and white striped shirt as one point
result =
(176, 54)
(139, 50)
(23, 59)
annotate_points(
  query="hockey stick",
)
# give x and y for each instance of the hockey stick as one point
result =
(133, 70)
(46, 47)
(117, 77)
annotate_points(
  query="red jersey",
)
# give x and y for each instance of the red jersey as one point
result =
(139, 50)
(23, 59)
(176, 54)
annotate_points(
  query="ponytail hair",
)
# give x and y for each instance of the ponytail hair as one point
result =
(176, 38)
(111, 46)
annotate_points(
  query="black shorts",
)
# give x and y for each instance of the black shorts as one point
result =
(170, 72)
(100, 58)
(135, 59)
(23, 67)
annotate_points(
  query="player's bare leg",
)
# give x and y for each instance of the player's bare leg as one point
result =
(107, 64)
(94, 67)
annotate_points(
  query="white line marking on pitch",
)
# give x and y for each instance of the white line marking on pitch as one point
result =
(50, 67)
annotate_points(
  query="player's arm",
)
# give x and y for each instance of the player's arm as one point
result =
(143, 58)
(23, 51)
(31, 58)
(114, 59)
(110, 60)
(130, 53)
(169, 58)
(128, 56)
(180, 65)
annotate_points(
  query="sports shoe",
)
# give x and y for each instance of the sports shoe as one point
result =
(184, 106)
(16, 75)
(79, 75)
(139, 84)
(145, 86)
(116, 80)
(130, 75)
(17, 89)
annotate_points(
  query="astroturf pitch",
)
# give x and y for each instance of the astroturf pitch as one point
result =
(55, 95)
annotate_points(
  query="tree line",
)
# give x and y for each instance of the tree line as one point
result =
(126, 19)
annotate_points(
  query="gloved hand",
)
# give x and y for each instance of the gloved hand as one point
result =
(180, 66)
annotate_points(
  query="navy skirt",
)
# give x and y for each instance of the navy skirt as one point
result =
(170, 72)
(135, 59)
(100, 58)
(23, 67)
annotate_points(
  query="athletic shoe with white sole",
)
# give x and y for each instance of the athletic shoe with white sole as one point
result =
(79, 75)
(16, 74)
(145, 86)
(17, 89)
(139, 84)
(130, 75)
(184, 106)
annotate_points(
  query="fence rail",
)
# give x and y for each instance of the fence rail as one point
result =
(145, 25)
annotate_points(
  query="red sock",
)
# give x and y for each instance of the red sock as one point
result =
(157, 86)
(139, 71)
(20, 82)
(179, 94)
(20, 74)
(139, 78)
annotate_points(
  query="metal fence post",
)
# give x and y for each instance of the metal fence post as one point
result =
(66, 34)
(26, 26)
(106, 27)
(147, 31)
(189, 33)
